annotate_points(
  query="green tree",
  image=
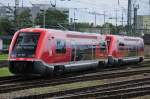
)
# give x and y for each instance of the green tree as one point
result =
(24, 19)
(6, 26)
(52, 18)
(83, 25)
(113, 29)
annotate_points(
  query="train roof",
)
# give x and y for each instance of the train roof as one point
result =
(129, 38)
(68, 33)
(54, 30)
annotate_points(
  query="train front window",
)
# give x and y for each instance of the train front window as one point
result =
(26, 44)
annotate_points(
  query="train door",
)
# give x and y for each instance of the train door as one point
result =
(102, 50)
(121, 49)
(50, 50)
(93, 50)
(60, 51)
(108, 41)
(74, 51)
(137, 50)
(49, 55)
(49, 47)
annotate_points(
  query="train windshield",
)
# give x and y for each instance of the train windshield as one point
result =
(25, 45)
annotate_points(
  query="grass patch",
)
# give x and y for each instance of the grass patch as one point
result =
(4, 72)
(3, 56)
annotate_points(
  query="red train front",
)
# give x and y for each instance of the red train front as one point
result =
(24, 51)
(46, 51)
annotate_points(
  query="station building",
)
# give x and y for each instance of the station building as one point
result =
(4, 43)
(143, 24)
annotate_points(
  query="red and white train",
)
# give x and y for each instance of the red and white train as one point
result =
(124, 49)
(47, 51)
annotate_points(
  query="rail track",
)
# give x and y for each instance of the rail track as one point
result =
(18, 83)
(22, 83)
(15, 79)
(117, 90)
(127, 90)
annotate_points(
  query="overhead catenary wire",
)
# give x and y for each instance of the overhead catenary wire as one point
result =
(95, 5)
(94, 12)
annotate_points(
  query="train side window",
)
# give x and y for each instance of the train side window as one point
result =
(102, 46)
(108, 44)
(121, 44)
(60, 46)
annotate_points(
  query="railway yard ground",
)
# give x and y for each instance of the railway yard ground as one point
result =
(129, 81)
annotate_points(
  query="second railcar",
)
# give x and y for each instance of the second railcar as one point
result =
(124, 49)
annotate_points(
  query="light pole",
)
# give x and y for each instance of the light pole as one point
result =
(44, 12)
(124, 11)
(53, 5)
(44, 16)
(136, 7)
(33, 18)
(116, 19)
(95, 16)
(74, 22)
(74, 16)
(149, 7)
(129, 17)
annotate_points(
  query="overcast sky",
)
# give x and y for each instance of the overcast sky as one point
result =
(99, 6)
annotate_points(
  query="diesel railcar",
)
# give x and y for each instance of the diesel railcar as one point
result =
(124, 49)
(47, 51)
